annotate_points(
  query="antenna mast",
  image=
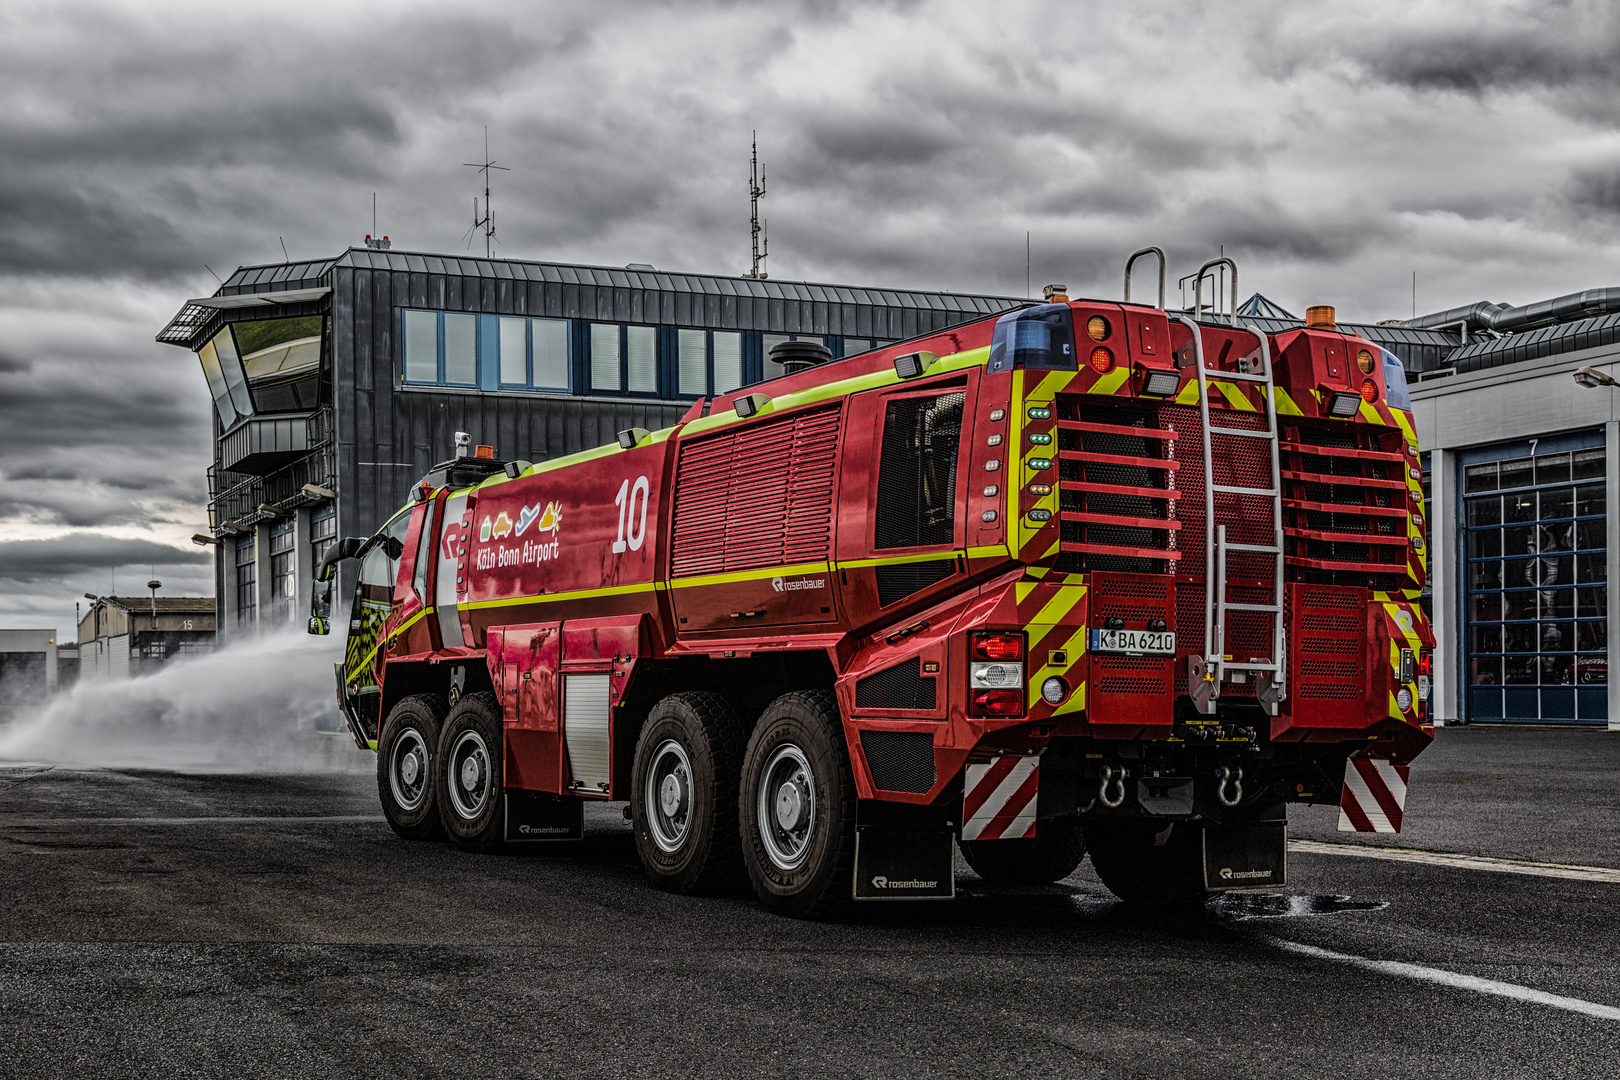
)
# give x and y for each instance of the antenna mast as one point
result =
(487, 222)
(761, 242)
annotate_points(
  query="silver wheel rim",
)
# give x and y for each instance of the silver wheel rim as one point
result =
(668, 796)
(408, 770)
(467, 769)
(787, 807)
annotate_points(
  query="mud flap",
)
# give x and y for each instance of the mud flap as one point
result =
(1245, 856)
(903, 864)
(537, 818)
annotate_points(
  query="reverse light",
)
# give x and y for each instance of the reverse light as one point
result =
(1097, 327)
(1404, 699)
(1161, 383)
(1054, 690)
(1369, 391)
(1344, 405)
(996, 646)
(1102, 360)
(998, 703)
(997, 676)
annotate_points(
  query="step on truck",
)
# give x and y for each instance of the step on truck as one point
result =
(1083, 578)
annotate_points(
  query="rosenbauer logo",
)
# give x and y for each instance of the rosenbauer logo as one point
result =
(1228, 874)
(881, 882)
(797, 584)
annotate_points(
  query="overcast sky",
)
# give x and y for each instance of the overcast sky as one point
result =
(1332, 149)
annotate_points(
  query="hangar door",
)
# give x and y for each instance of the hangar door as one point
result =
(1535, 602)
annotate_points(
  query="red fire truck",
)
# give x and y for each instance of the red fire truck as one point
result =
(1087, 577)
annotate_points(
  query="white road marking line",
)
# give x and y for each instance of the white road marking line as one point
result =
(1460, 862)
(1455, 980)
(35, 822)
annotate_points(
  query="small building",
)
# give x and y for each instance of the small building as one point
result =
(123, 636)
(28, 671)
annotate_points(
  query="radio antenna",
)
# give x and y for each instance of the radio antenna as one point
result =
(487, 222)
(756, 232)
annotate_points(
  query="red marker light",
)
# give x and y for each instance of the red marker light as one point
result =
(1369, 391)
(998, 646)
(998, 702)
(1102, 361)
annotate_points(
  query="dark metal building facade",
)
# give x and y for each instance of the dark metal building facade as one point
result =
(333, 453)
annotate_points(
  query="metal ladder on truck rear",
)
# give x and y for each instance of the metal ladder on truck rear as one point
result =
(1206, 675)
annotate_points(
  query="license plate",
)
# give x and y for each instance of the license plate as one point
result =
(1153, 642)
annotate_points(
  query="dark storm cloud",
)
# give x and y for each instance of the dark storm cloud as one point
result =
(167, 148)
(1475, 59)
(26, 562)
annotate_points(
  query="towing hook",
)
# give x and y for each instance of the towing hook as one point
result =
(1229, 780)
(1111, 792)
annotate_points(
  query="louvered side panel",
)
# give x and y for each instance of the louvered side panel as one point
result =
(702, 480)
(809, 516)
(759, 494)
(756, 498)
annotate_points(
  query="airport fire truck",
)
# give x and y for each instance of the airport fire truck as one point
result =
(1087, 577)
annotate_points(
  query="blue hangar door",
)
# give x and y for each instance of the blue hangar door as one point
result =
(1533, 591)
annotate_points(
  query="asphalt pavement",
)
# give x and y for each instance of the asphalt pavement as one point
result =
(158, 924)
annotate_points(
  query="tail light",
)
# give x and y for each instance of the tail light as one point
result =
(1425, 682)
(1369, 391)
(994, 646)
(1102, 360)
(996, 674)
(998, 703)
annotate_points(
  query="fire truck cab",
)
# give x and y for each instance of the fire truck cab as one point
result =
(1089, 576)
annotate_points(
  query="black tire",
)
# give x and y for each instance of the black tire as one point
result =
(468, 774)
(690, 754)
(1144, 861)
(797, 752)
(1052, 855)
(405, 755)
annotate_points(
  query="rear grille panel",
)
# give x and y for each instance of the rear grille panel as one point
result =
(1115, 474)
(1345, 511)
(1345, 504)
(900, 760)
(900, 687)
(1130, 689)
(897, 581)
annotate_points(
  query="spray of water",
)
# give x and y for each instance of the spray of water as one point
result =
(253, 706)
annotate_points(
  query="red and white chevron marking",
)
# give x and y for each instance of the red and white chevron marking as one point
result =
(1374, 795)
(998, 799)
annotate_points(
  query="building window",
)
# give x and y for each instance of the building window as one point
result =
(264, 366)
(283, 573)
(514, 352)
(1536, 602)
(441, 347)
(550, 348)
(727, 374)
(247, 580)
(641, 351)
(422, 346)
(606, 358)
(460, 349)
(708, 362)
(322, 532)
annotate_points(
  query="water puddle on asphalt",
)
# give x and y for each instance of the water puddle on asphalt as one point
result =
(1236, 907)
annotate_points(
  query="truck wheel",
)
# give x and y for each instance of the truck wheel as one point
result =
(797, 807)
(405, 756)
(1052, 855)
(684, 793)
(468, 774)
(1143, 861)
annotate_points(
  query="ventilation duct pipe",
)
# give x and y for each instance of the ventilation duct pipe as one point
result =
(1506, 317)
